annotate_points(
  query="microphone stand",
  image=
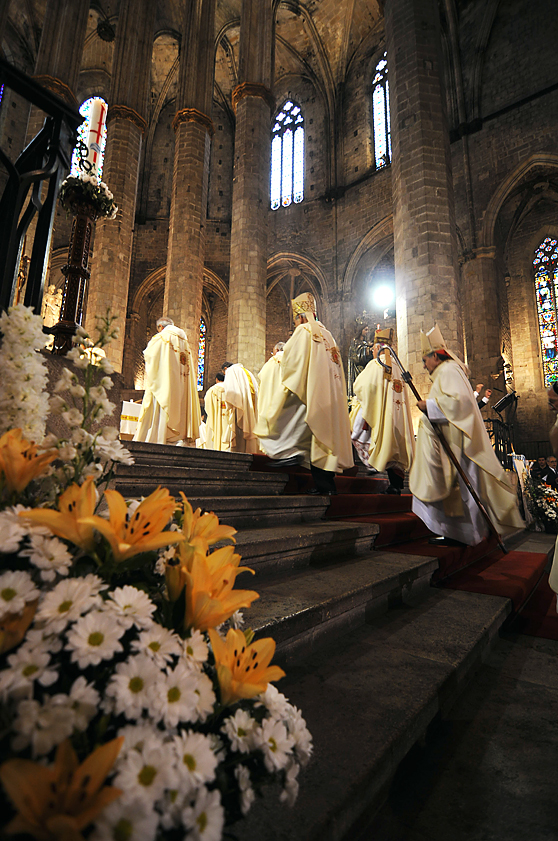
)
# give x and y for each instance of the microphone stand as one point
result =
(407, 378)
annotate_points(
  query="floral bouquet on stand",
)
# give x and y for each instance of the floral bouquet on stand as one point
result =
(542, 502)
(77, 191)
(132, 704)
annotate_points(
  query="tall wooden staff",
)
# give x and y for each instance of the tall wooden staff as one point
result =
(407, 378)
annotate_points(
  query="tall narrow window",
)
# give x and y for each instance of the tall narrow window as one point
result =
(287, 156)
(546, 290)
(201, 354)
(92, 134)
(1, 92)
(380, 112)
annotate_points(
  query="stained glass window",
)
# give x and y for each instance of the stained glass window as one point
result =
(545, 265)
(99, 138)
(201, 355)
(287, 156)
(1, 92)
(380, 114)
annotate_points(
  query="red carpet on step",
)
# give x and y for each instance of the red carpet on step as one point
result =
(514, 575)
(539, 618)
(450, 558)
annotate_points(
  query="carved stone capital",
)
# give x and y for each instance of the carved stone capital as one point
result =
(252, 89)
(123, 112)
(192, 115)
(485, 252)
(58, 88)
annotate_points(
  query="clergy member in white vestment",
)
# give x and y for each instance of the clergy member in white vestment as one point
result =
(440, 498)
(306, 421)
(219, 422)
(241, 395)
(170, 411)
(382, 428)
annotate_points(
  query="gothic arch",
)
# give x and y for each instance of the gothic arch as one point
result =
(380, 235)
(153, 280)
(543, 160)
(281, 263)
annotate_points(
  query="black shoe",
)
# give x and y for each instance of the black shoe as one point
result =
(392, 490)
(292, 461)
(316, 492)
(445, 541)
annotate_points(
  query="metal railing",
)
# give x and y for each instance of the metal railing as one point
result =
(32, 188)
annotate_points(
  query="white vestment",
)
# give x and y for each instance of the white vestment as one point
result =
(241, 395)
(385, 410)
(440, 497)
(307, 412)
(170, 410)
(219, 424)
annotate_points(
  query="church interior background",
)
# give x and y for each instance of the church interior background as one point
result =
(260, 149)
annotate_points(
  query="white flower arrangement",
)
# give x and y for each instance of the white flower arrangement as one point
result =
(87, 189)
(113, 651)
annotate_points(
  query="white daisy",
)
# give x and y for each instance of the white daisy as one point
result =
(69, 600)
(196, 648)
(131, 685)
(26, 666)
(146, 774)
(240, 729)
(205, 818)
(16, 589)
(131, 606)
(275, 743)
(13, 528)
(84, 702)
(290, 791)
(50, 555)
(41, 726)
(247, 793)
(296, 725)
(93, 638)
(136, 738)
(205, 697)
(158, 643)
(275, 702)
(196, 762)
(133, 821)
(174, 696)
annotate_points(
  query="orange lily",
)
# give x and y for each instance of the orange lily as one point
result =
(200, 531)
(20, 461)
(13, 626)
(210, 598)
(143, 532)
(56, 803)
(243, 670)
(74, 504)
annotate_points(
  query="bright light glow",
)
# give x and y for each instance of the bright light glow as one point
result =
(383, 296)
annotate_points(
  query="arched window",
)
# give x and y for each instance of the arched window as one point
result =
(380, 114)
(92, 134)
(546, 289)
(287, 156)
(201, 355)
(1, 92)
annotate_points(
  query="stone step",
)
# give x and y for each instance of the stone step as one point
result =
(308, 608)
(281, 548)
(157, 455)
(368, 698)
(142, 479)
(248, 512)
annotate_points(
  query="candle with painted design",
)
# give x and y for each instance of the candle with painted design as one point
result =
(95, 138)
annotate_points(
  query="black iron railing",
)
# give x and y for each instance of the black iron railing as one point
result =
(32, 188)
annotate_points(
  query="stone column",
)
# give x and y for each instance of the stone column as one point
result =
(126, 123)
(61, 47)
(481, 314)
(193, 131)
(4, 9)
(252, 101)
(426, 270)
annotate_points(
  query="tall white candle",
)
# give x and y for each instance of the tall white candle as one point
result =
(95, 138)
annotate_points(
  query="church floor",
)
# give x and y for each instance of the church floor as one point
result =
(487, 772)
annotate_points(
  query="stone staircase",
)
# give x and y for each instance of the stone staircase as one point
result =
(373, 652)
